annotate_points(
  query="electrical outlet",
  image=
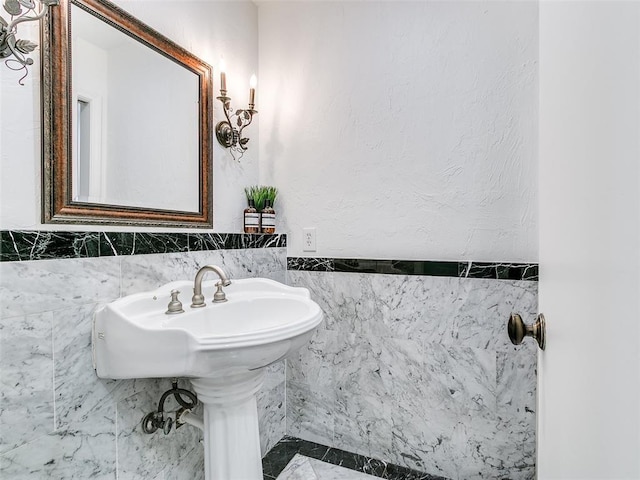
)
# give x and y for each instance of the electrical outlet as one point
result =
(308, 239)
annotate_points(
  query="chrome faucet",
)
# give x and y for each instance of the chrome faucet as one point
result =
(198, 299)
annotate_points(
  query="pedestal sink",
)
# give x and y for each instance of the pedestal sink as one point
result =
(223, 348)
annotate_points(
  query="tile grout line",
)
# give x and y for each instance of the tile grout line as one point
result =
(53, 375)
(116, 440)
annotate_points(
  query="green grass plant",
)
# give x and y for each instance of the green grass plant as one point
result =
(260, 194)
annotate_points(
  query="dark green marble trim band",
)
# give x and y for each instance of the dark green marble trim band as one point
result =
(16, 245)
(497, 270)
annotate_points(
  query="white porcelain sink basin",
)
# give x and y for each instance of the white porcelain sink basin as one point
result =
(261, 322)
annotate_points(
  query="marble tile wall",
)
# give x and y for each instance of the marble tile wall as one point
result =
(418, 370)
(57, 419)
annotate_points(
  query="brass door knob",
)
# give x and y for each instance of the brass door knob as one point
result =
(518, 330)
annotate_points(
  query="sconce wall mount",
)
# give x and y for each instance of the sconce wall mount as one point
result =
(229, 131)
(228, 135)
(14, 50)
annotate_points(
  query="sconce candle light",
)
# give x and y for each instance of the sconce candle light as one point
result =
(10, 46)
(228, 132)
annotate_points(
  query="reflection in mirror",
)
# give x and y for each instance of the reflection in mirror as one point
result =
(150, 121)
(138, 112)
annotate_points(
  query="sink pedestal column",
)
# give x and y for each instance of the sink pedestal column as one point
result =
(231, 438)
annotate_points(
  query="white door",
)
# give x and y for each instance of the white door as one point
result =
(589, 374)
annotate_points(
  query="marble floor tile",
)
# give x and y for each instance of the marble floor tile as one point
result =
(275, 461)
(280, 456)
(298, 468)
(305, 468)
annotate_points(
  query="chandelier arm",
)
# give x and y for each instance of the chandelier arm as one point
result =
(245, 123)
(226, 107)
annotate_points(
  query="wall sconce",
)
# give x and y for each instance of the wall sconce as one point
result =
(10, 46)
(228, 133)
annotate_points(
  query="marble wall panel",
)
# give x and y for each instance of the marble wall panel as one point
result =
(310, 412)
(147, 272)
(418, 371)
(49, 285)
(191, 467)
(445, 310)
(140, 455)
(67, 454)
(77, 388)
(57, 419)
(26, 393)
(271, 415)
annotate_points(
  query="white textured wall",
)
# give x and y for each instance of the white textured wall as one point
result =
(402, 129)
(209, 30)
(399, 129)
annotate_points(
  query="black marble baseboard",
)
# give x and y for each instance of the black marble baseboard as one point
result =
(496, 271)
(281, 454)
(18, 245)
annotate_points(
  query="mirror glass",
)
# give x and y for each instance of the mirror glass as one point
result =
(137, 111)
(135, 121)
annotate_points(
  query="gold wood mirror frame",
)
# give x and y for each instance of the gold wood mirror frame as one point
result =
(58, 205)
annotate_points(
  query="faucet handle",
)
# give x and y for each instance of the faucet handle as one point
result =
(219, 296)
(175, 305)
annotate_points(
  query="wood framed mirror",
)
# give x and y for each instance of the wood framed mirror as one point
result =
(127, 122)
